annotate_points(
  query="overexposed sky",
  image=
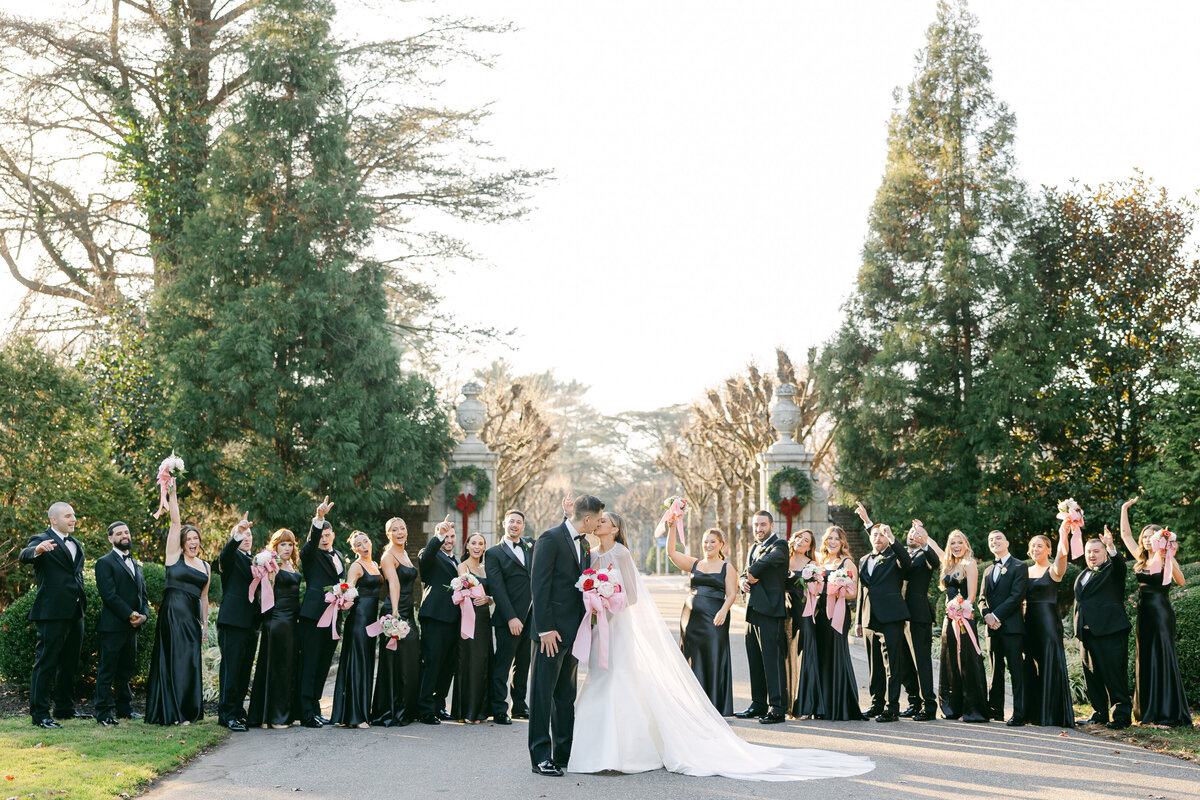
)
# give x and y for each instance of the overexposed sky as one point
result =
(715, 163)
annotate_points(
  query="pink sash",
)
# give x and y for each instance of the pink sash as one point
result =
(593, 603)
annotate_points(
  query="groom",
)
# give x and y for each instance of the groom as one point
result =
(560, 555)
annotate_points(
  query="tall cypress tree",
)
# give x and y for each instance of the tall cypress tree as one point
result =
(908, 374)
(284, 381)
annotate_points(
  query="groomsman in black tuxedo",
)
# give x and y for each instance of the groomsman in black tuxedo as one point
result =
(765, 581)
(881, 612)
(322, 566)
(917, 672)
(1102, 629)
(237, 626)
(57, 612)
(122, 588)
(440, 622)
(508, 565)
(1004, 585)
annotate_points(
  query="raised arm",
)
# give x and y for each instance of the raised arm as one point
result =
(1131, 544)
(679, 558)
(941, 554)
(174, 546)
(1058, 567)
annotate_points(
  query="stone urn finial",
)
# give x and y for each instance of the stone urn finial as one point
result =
(471, 411)
(785, 414)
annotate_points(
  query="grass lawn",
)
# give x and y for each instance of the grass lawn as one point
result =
(1179, 742)
(86, 761)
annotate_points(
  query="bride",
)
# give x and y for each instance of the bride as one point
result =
(647, 711)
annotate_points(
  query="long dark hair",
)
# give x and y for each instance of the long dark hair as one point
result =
(467, 553)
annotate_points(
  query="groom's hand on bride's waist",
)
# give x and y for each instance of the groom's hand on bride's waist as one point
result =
(549, 643)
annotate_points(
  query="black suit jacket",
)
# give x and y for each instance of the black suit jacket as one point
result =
(237, 609)
(881, 594)
(1100, 606)
(59, 579)
(925, 563)
(768, 562)
(121, 593)
(1006, 597)
(437, 570)
(319, 572)
(510, 582)
(557, 604)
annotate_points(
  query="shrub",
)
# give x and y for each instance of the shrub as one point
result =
(1187, 638)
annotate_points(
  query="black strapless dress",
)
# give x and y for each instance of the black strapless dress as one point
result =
(278, 656)
(962, 687)
(356, 665)
(473, 680)
(175, 691)
(792, 627)
(1159, 698)
(838, 691)
(704, 645)
(1047, 688)
(398, 679)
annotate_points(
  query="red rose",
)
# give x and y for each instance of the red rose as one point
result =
(588, 585)
(344, 586)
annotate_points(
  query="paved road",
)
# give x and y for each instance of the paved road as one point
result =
(943, 760)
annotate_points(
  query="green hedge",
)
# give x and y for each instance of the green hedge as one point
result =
(1187, 638)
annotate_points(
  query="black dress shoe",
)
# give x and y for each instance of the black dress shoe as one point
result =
(322, 720)
(873, 711)
(131, 715)
(750, 712)
(548, 768)
(771, 719)
(1117, 724)
(71, 715)
(107, 722)
(520, 715)
(502, 719)
(431, 719)
(1094, 719)
(888, 716)
(236, 726)
(1015, 722)
(911, 711)
(46, 723)
(923, 716)
(312, 722)
(443, 715)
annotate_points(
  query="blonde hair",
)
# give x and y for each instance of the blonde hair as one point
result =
(1143, 555)
(952, 567)
(812, 542)
(1045, 540)
(717, 532)
(284, 535)
(823, 551)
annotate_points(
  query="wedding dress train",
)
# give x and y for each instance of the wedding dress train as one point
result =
(647, 711)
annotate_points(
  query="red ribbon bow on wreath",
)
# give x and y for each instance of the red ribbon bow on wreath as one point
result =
(467, 505)
(790, 507)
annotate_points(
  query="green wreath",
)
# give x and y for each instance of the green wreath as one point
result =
(456, 477)
(801, 486)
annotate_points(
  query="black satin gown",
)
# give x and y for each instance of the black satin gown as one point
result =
(398, 679)
(838, 691)
(1159, 698)
(274, 687)
(473, 679)
(1047, 688)
(704, 645)
(175, 690)
(356, 665)
(808, 677)
(962, 686)
(792, 626)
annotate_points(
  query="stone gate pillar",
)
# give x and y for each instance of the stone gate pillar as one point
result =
(470, 452)
(787, 452)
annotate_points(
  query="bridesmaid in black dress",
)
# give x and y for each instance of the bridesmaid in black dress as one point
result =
(1047, 688)
(704, 621)
(1159, 697)
(801, 690)
(398, 679)
(837, 688)
(472, 682)
(175, 691)
(279, 646)
(962, 689)
(356, 666)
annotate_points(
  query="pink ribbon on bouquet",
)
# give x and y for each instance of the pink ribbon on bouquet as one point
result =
(813, 588)
(327, 619)
(835, 606)
(164, 480)
(1163, 556)
(375, 628)
(959, 614)
(1072, 524)
(674, 514)
(261, 576)
(463, 598)
(593, 603)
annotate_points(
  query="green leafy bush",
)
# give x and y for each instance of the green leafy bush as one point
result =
(1187, 638)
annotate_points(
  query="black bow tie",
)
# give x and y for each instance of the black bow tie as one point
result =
(997, 562)
(580, 537)
(126, 556)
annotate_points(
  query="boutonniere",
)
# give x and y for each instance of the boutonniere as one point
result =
(1003, 570)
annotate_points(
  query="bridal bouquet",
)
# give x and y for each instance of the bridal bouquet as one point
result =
(601, 592)
(264, 565)
(1163, 546)
(1072, 523)
(812, 579)
(466, 588)
(171, 468)
(959, 612)
(676, 509)
(841, 583)
(339, 596)
(392, 627)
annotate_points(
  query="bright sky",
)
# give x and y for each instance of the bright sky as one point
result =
(715, 163)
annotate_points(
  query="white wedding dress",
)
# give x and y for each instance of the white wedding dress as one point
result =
(647, 711)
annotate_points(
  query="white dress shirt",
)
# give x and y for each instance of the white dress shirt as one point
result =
(128, 562)
(67, 543)
(518, 551)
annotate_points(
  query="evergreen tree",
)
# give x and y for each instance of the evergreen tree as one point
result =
(1170, 483)
(907, 376)
(285, 384)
